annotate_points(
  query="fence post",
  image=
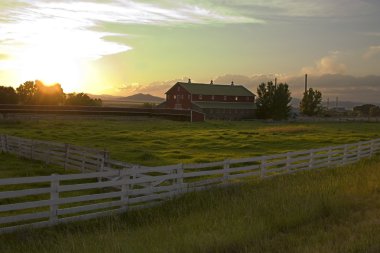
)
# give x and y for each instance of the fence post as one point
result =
(262, 167)
(31, 149)
(372, 148)
(105, 156)
(345, 154)
(226, 173)
(288, 163)
(67, 150)
(329, 155)
(54, 197)
(311, 160)
(2, 140)
(124, 190)
(358, 151)
(179, 179)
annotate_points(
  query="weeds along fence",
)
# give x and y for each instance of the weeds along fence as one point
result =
(49, 200)
(65, 155)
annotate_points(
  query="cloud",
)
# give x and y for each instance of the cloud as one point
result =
(66, 30)
(373, 34)
(348, 88)
(326, 65)
(157, 88)
(3, 57)
(372, 52)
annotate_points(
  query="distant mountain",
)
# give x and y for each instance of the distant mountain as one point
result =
(105, 97)
(140, 97)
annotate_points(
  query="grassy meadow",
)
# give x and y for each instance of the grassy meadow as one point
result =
(326, 210)
(162, 142)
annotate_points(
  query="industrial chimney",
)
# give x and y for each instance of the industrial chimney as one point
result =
(212, 82)
(189, 80)
(232, 83)
(305, 82)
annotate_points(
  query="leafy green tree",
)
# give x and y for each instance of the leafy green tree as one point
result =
(311, 103)
(281, 103)
(82, 99)
(273, 101)
(8, 95)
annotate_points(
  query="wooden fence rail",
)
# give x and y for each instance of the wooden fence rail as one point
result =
(49, 200)
(65, 155)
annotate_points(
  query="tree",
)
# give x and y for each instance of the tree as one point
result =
(82, 99)
(311, 103)
(8, 95)
(49, 95)
(374, 111)
(26, 92)
(364, 110)
(273, 101)
(36, 93)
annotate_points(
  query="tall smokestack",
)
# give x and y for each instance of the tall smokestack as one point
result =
(305, 82)
(275, 82)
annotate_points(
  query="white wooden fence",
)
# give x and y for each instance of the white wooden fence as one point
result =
(49, 200)
(66, 155)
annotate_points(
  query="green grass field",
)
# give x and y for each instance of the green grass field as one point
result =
(326, 210)
(161, 142)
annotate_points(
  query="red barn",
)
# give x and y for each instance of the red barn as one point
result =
(216, 101)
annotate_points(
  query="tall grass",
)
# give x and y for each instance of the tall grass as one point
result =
(161, 142)
(327, 210)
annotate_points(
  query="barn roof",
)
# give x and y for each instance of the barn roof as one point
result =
(216, 89)
(223, 105)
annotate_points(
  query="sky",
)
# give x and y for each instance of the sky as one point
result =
(122, 47)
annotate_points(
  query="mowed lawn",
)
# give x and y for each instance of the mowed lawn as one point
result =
(162, 142)
(325, 210)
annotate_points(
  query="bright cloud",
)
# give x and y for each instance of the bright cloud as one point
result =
(372, 52)
(54, 40)
(326, 65)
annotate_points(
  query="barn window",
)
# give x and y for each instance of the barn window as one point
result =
(200, 96)
(247, 98)
(175, 97)
(225, 98)
(179, 88)
(212, 97)
(236, 98)
(188, 97)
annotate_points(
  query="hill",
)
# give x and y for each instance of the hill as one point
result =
(140, 97)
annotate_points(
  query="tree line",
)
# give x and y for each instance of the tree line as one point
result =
(37, 93)
(367, 110)
(273, 101)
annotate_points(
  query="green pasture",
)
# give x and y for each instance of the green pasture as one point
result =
(161, 142)
(13, 166)
(326, 210)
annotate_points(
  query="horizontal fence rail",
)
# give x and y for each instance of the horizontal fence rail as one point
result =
(49, 200)
(65, 155)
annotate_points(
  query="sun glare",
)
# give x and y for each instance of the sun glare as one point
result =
(50, 45)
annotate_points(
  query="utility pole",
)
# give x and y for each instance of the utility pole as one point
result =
(305, 83)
